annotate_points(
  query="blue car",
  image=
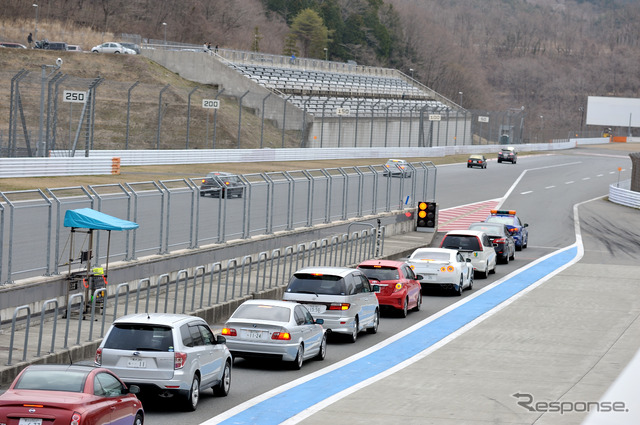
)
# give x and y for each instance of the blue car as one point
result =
(519, 230)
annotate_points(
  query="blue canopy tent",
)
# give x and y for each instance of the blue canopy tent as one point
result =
(87, 218)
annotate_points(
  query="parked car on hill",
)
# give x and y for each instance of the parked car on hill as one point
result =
(12, 45)
(112, 47)
(132, 46)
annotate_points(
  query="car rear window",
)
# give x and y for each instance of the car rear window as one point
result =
(380, 273)
(489, 229)
(52, 380)
(430, 255)
(461, 242)
(317, 284)
(262, 312)
(139, 337)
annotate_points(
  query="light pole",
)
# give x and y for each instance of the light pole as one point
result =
(164, 24)
(35, 33)
(460, 93)
(411, 71)
(326, 54)
(581, 109)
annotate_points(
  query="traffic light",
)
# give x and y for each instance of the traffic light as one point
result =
(427, 216)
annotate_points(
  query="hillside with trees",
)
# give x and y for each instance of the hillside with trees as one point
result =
(545, 55)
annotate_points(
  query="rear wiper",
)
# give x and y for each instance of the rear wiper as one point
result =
(307, 292)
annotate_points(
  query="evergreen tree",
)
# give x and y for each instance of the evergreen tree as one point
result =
(311, 33)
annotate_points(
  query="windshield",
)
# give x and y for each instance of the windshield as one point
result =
(317, 284)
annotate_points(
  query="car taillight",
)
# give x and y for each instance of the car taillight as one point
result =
(337, 306)
(179, 360)
(282, 336)
(98, 359)
(229, 332)
(397, 287)
(470, 161)
(499, 240)
(75, 418)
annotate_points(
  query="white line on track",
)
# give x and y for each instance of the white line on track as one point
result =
(569, 182)
(526, 193)
(550, 187)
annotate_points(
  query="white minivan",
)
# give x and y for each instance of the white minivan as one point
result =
(342, 297)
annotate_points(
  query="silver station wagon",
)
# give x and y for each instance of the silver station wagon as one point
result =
(167, 355)
(342, 297)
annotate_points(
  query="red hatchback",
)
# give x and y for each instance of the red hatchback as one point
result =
(399, 288)
(69, 394)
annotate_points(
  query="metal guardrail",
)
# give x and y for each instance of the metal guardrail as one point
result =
(208, 285)
(33, 239)
(620, 194)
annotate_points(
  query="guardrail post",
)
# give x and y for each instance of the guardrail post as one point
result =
(13, 332)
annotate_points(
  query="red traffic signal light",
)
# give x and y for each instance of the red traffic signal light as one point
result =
(427, 214)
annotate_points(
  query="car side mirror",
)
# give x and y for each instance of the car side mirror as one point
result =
(134, 389)
(376, 288)
(468, 260)
(319, 321)
(221, 340)
(526, 225)
(419, 277)
(495, 245)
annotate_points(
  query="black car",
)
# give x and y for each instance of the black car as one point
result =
(51, 45)
(218, 184)
(501, 239)
(477, 161)
(508, 155)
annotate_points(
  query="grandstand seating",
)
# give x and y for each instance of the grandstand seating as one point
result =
(324, 93)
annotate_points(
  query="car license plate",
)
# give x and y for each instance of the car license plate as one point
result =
(30, 421)
(254, 334)
(316, 308)
(430, 277)
(137, 363)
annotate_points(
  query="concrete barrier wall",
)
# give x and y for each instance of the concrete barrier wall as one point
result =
(35, 291)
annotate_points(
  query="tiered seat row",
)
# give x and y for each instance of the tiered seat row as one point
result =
(324, 106)
(294, 80)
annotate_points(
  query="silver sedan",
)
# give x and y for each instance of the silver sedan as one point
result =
(274, 329)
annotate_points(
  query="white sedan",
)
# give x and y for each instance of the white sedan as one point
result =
(442, 267)
(112, 47)
(282, 330)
